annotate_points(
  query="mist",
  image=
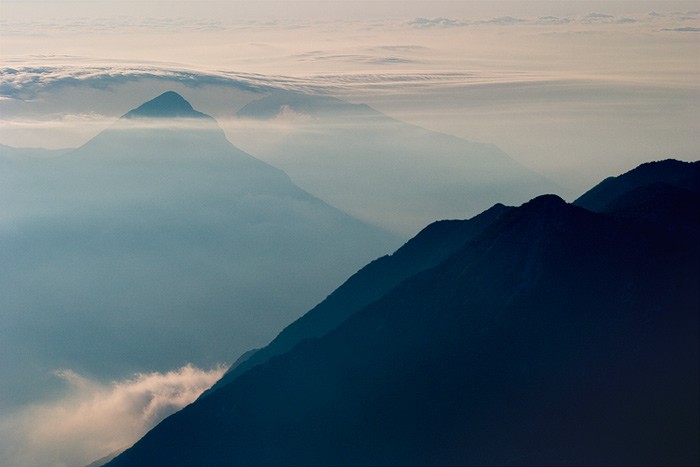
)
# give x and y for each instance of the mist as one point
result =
(92, 419)
(155, 244)
(403, 177)
(575, 91)
(143, 247)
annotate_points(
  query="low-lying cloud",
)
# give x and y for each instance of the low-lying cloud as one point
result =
(592, 18)
(25, 80)
(94, 419)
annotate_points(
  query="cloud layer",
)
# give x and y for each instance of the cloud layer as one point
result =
(160, 22)
(260, 50)
(574, 90)
(25, 81)
(93, 419)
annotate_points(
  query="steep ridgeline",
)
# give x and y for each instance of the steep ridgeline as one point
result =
(614, 192)
(556, 336)
(659, 191)
(159, 231)
(429, 248)
(415, 174)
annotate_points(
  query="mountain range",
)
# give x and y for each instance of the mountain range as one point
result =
(403, 176)
(157, 230)
(544, 334)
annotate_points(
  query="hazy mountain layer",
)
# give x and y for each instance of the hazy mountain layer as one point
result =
(380, 169)
(155, 244)
(427, 249)
(556, 336)
(10, 152)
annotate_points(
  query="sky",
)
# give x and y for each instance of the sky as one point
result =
(574, 90)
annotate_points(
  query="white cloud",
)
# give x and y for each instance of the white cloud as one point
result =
(25, 80)
(686, 29)
(595, 15)
(505, 20)
(288, 115)
(28, 81)
(94, 419)
(552, 20)
(424, 23)
(60, 120)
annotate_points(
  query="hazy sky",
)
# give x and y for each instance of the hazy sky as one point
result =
(576, 90)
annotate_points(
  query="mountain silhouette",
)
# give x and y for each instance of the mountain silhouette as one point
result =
(315, 106)
(168, 105)
(427, 249)
(553, 335)
(158, 230)
(415, 174)
(672, 172)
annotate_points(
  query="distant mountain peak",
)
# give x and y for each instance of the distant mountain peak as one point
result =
(314, 105)
(168, 105)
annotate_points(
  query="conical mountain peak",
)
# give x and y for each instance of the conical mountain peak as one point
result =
(168, 105)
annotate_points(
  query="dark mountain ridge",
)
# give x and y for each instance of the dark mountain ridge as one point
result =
(427, 249)
(553, 336)
(672, 172)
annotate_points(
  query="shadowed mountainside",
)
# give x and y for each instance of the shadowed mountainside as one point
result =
(427, 249)
(671, 172)
(554, 336)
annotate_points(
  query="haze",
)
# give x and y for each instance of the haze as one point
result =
(575, 91)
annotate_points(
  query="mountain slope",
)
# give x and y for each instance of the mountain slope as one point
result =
(158, 230)
(380, 169)
(557, 336)
(426, 250)
(672, 172)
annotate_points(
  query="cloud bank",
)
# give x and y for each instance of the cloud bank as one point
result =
(202, 23)
(25, 81)
(93, 419)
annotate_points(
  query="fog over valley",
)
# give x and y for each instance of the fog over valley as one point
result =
(181, 181)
